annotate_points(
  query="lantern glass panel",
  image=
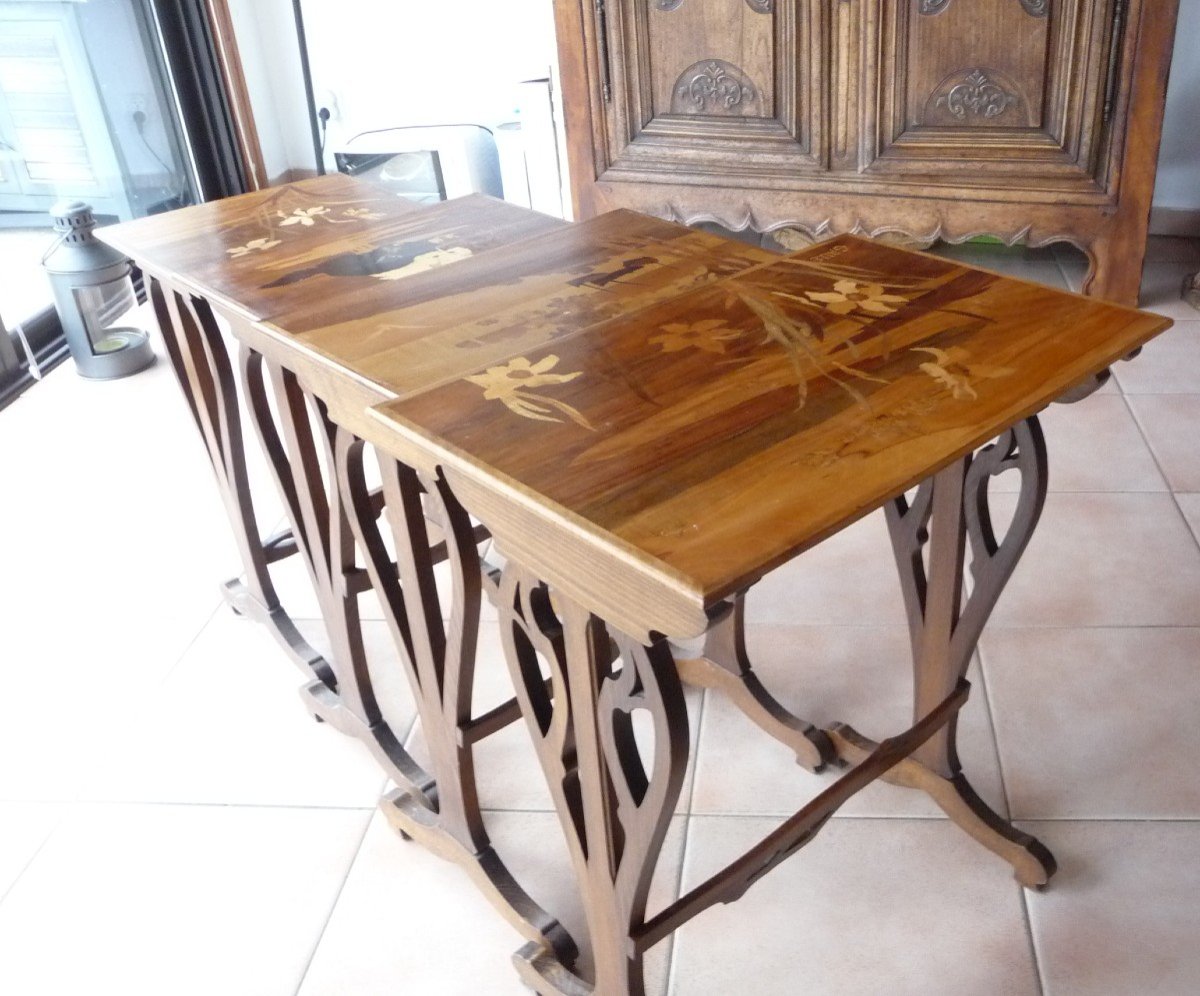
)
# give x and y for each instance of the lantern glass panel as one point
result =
(107, 315)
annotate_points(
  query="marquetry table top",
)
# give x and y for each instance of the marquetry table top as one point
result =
(720, 432)
(683, 410)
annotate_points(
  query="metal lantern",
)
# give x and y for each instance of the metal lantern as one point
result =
(93, 293)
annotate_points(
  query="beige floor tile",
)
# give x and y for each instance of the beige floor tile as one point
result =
(147, 900)
(24, 828)
(382, 940)
(1104, 560)
(850, 579)
(1038, 265)
(1093, 445)
(1162, 289)
(1189, 504)
(858, 675)
(1168, 364)
(1172, 427)
(227, 727)
(111, 562)
(1097, 723)
(1121, 915)
(870, 907)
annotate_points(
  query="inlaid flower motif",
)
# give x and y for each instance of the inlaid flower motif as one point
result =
(709, 335)
(512, 385)
(848, 296)
(953, 370)
(254, 245)
(303, 216)
(366, 214)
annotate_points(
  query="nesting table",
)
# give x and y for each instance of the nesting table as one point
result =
(612, 430)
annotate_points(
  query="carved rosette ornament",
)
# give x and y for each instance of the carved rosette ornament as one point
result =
(712, 86)
(977, 96)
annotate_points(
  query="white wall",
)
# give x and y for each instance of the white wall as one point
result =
(1177, 192)
(380, 65)
(433, 61)
(419, 62)
(270, 55)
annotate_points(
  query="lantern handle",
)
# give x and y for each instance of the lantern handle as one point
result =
(53, 245)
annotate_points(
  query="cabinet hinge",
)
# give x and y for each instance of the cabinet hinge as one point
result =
(1120, 15)
(602, 45)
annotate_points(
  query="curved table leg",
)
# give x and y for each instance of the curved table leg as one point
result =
(614, 803)
(949, 512)
(202, 367)
(439, 661)
(725, 665)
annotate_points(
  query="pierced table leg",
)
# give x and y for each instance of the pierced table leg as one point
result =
(202, 367)
(614, 805)
(321, 526)
(948, 512)
(439, 662)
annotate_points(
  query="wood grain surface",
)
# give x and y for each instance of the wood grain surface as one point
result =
(679, 411)
(718, 433)
(289, 249)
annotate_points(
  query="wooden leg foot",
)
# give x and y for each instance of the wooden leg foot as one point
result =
(810, 745)
(413, 821)
(1032, 862)
(546, 975)
(725, 665)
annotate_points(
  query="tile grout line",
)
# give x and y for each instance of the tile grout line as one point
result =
(33, 857)
(1008, 809)
(1038, 971)
(672, 962)
(1158, 464)
(333, 906)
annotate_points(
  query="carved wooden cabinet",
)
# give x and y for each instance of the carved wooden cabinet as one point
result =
(1033, 120)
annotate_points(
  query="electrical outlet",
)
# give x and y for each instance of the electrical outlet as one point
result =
(329, 100)
(137, 103)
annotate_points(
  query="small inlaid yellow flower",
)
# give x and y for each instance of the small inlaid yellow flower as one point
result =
(512, 385)
(709, 335)
(953, 370)
(848, 296)
(254, 245)
(366, 214)
(302, 216)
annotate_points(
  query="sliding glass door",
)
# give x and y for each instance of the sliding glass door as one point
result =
(93, 99)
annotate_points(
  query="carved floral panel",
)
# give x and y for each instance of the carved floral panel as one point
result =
(714, 86)
(977, 96)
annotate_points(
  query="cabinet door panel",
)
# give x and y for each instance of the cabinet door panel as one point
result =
(714, 89)
(1015, 87)
(712, 58)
